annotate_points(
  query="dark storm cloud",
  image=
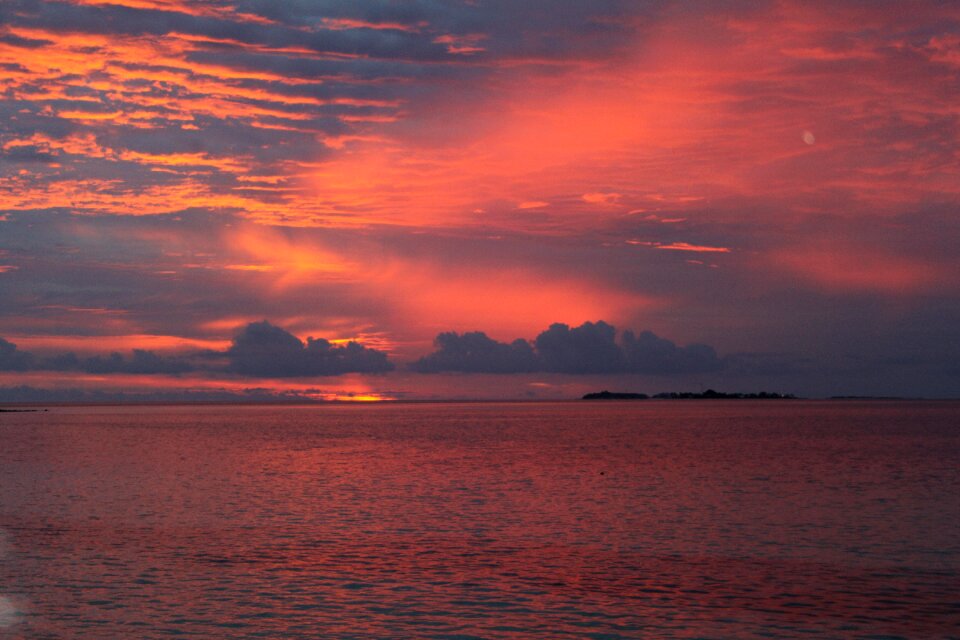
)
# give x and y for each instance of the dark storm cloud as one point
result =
(40, 395)
(475, 352)
(12, 359)
(591, 348)
(263, 349)
(140, 362)
(260, 349)
(648, 353)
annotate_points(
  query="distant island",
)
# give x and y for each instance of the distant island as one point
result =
(612, 395)
(709, 394)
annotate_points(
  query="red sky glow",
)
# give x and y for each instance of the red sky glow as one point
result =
(747, 195)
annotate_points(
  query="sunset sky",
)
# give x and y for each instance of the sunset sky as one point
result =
(478, 199)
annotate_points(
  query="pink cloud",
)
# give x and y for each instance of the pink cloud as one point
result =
(844, 267)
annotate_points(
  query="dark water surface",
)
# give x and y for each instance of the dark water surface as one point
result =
(571, 520)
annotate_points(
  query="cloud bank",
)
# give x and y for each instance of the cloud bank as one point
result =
(12, 359)
(141, 361)
(475, 352)
(265, 350)
(260, 349)
(591, 348)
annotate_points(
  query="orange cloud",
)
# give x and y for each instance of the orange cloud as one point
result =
(100, 344)
(601, 198)
(338, 24)
(462, 44)
(533, 204)
(679, 246)
(287, 262)
(683, 246)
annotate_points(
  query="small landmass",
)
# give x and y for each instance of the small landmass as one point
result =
(613, 395)
(709, 394)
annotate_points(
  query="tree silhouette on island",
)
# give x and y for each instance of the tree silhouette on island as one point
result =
(709, 394)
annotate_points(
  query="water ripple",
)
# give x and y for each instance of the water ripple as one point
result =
(482, 521)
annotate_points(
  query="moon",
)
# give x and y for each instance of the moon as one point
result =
(808, 137)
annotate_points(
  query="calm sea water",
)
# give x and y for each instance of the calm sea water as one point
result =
(569, 520)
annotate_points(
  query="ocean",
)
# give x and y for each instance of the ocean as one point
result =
(603, 520)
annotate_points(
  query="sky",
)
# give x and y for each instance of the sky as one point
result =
(319, 199)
